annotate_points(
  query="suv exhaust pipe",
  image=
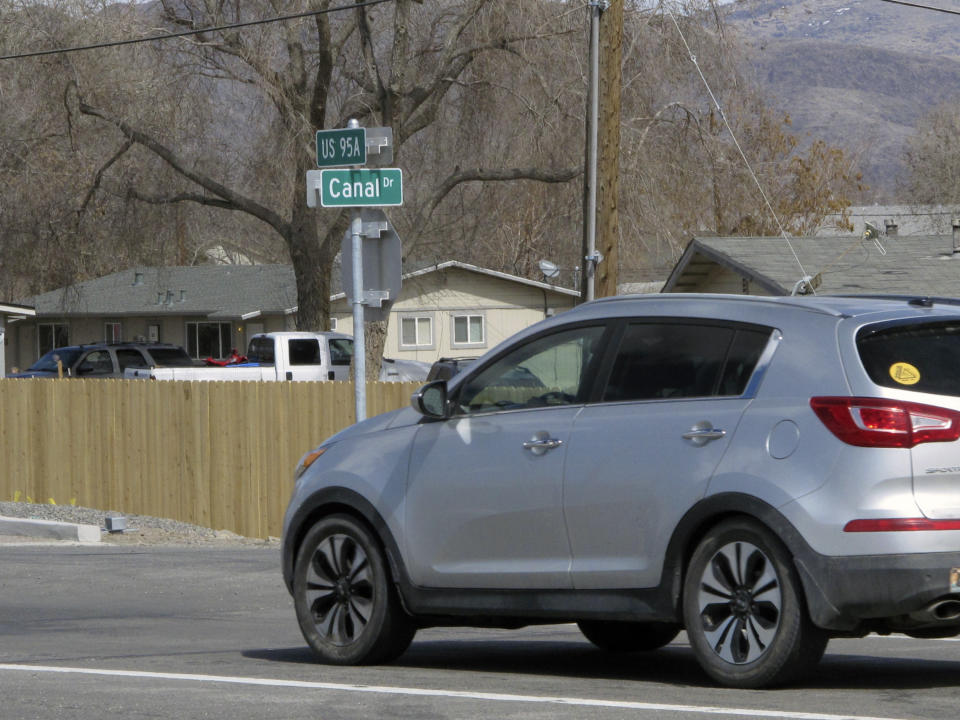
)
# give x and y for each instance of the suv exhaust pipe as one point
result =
(938, 611)
(946, 609)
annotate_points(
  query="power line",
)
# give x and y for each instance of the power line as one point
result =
(743, 156)
(921, 6)
(186, 33)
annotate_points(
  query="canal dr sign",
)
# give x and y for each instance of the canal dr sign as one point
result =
(360, 187)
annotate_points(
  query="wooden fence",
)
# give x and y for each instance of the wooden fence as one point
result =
(217, 454)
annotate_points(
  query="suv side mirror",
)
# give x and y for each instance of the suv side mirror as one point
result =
(431, 400)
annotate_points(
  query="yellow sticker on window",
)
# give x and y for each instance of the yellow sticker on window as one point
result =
(905, 373)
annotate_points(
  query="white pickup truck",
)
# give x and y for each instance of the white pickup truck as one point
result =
(272, 356)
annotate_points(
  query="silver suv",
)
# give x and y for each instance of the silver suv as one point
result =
(764, 473)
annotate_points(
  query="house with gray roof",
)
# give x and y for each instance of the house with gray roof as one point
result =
(894, 264)
(449, 309)
(207, 309)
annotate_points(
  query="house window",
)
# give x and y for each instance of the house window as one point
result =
(333, 324)
(468, 330)
(416, 331)
(50, 336)
(112, 332)
(208, 339)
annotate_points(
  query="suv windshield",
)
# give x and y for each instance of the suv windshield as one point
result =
(918, 357)
(48, 363)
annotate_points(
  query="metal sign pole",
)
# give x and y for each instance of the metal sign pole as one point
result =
(355, 188)
(359, 334)
(359, 341)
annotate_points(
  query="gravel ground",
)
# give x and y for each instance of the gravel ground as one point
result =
(141, 529)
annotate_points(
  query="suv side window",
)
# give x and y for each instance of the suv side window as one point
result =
(128, 357)
(96, 362)
(745, 351)
(548, 370)
(660, 360)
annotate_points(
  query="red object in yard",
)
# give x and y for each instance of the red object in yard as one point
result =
(233, 359)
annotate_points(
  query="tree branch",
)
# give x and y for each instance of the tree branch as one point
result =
(458, 177)
(181, 197)
(230, 198)
(99, 176)
(372, 69)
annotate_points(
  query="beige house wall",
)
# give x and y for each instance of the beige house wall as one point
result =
(724, 280)
(506, 308)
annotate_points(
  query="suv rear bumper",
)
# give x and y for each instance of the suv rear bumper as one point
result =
(882, 592)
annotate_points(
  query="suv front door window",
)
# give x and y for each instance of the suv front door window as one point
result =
(96, 363)
(547, 371)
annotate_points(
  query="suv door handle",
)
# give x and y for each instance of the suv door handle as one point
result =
(700, 436)
(541, 442)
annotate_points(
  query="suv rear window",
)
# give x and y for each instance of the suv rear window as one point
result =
(920, 357)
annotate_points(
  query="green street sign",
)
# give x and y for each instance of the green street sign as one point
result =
(364, 187)
(341, 147)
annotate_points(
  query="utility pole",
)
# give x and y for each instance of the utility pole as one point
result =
(608, 171)
(590, 260)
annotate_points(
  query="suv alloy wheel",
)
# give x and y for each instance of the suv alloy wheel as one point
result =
(743, 608)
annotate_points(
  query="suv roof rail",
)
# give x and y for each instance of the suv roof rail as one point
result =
(915, 300)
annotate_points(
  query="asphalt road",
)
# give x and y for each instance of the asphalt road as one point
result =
(199, 632)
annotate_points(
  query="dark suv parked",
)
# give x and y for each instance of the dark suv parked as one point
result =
(105, 360)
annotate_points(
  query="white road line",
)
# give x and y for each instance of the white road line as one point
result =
(425, 692)
(908, 638)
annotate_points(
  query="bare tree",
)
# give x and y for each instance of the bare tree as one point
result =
(66, 210)
(932, 157)
(682, 172)
(392, 65)
(164, 151)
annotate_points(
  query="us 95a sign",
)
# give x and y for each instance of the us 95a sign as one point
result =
(341, 147)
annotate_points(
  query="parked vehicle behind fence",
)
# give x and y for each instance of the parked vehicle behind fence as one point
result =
(764, 473)
(273, 356)
(106, 360)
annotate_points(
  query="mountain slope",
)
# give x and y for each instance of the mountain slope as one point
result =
(859, 74)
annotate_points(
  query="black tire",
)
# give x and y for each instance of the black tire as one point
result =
(346, 604)
(621, 637)
(744, 609)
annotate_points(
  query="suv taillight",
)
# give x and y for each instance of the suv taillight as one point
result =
(878, 422)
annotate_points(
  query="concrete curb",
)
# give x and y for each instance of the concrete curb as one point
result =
(49, 530)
